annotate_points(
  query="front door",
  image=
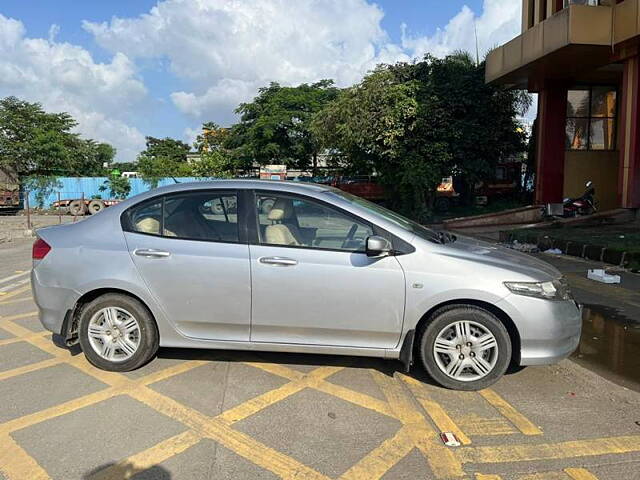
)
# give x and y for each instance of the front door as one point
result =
(188, 250)
(313, 284)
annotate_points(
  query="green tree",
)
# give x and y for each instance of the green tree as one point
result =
(118, 187)
(162, 158)
(413, 124)
(275, 126)
(35, 142)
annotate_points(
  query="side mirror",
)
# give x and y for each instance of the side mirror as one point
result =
(378, 246)
(589, 184)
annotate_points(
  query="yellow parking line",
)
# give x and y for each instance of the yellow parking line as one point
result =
(279, 370)
(442, 420)
(18, 316)
(240, 443)
(131, 466)
(9, 341)
(15, 300)
(16, 464)
(30, 368)
(380, 460)
(14, 293)
(550, 451)
(357, 398)
(580, 474)
(544, 476)
(441, 459)
(482, 476)
(520, 421)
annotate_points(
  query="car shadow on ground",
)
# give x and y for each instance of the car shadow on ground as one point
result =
(128, 470)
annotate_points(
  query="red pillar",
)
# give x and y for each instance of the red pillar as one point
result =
(629, 170)
(550, 151)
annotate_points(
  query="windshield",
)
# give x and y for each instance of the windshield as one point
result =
(393, 217)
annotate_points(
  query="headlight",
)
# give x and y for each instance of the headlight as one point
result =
(556, 290)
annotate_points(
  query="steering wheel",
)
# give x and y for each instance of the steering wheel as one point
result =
(350, 235)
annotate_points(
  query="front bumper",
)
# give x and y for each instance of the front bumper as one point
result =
(549, 330)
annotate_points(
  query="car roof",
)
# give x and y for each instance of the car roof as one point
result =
(243, 184)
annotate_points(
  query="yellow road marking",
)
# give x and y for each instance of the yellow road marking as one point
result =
(9, 341)
(15, 463)
(240, 443)
(30, 368)
(549, 451)
(441, 459)
(18, 316)
(476, 425)
(442, 420)
(15, 300)
(14, 293)
(482, 476)
(544, 476)
(127, 468)
(520, 421)
(380, 460)
(580, 474)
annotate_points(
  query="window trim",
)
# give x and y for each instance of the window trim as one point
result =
(125, 217)
(400, 246)
(590, 118)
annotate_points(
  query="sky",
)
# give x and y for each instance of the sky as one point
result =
(127, 69)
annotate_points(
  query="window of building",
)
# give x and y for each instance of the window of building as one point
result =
(591, 118)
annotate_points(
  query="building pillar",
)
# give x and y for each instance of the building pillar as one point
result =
(629, 171)
(550, 149)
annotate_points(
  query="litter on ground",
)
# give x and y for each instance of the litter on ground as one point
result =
(599, 275)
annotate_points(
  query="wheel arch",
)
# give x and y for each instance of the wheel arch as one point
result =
(70, 325)
(506, 320)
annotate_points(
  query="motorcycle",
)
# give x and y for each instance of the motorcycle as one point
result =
(575, 207)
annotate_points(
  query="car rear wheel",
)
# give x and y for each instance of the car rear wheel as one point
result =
(465, 347)
(117, 333)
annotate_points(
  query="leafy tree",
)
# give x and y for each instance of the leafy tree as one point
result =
(35, 142)
(215, 164)
(275, 126)
(374, 127)
(162, 158)
(43, 186)
(118, 187)
(212, 138)
(413, 124)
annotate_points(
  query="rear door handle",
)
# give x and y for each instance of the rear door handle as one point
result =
(151, 253)
(278, 261)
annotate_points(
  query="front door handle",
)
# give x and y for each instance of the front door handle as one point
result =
(278, 261)
(151, 253)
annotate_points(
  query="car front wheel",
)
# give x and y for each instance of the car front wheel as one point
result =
(117, 333)
(464, 347)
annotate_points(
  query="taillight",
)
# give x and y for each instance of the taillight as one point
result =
(40, 249)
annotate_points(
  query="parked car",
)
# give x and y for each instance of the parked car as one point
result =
(292, 267)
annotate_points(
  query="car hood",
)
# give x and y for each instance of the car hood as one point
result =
(477, 250)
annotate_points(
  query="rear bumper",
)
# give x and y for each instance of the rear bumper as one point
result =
(53, 303)
(549, 330)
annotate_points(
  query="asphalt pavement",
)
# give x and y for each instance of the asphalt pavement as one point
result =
(195, 414)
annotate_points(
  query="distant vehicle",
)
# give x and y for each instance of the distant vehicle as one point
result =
(129, 174)
(10, 193)
(79, 207)
(204, 265)
(586, 204)
(365, 186)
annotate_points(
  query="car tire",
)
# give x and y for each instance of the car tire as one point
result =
(474, 364)
(107, 311)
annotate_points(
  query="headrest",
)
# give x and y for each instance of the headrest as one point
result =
(282, 210)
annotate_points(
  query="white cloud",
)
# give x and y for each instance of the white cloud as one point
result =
(64, 77)
(498, 23)
(225, 50)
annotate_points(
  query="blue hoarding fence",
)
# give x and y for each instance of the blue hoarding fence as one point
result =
(89, 187)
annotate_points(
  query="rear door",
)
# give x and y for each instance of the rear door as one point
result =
(193, 255)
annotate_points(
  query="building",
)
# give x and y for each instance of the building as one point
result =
(583, 59)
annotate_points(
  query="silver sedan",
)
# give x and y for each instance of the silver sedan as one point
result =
(290, 267)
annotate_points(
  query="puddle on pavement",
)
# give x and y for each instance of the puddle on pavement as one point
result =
(610, 346)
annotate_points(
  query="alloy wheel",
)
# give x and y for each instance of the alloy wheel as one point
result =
(114, 334)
